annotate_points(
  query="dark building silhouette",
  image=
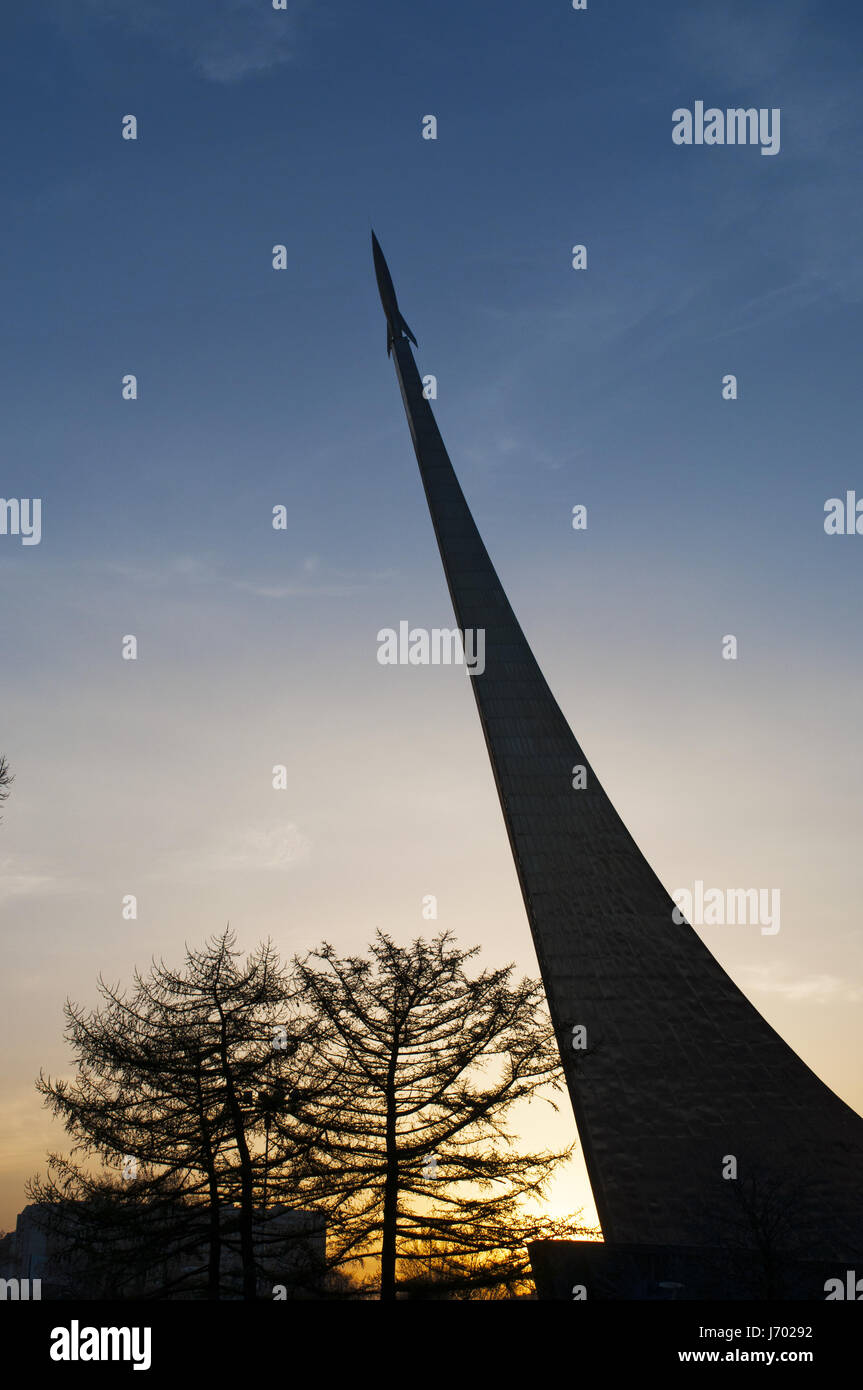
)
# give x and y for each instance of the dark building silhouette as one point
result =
(42, 1259)
(680, 1071)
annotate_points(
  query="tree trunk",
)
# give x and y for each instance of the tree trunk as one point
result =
(247, 1205)
(391, 1186)
(215, 1251)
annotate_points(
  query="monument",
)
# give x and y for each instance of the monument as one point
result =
(709, 1143)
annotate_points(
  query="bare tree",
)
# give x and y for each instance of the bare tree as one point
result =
(6, 779)
(374, 1091)
(410, 1155)
(178, 1079)
(759, 1226)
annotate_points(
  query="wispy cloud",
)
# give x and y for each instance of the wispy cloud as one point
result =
(745, 44)
(812, 989)
(225, 40)
(782, 53)
(254, 849)
(310, 581)
(20, 878)
(296, 590)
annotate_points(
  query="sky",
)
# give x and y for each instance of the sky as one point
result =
(556, 387)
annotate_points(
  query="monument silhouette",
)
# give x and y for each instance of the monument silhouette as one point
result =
(676, 1080)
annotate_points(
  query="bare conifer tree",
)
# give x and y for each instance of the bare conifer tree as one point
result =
(6, 778)
(175, 1088)
(411, 1156)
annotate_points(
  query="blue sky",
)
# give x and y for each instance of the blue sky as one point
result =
(555, 387)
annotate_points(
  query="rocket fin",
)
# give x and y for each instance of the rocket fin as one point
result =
(407, 331)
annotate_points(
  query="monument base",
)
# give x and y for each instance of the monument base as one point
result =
(595, 1271)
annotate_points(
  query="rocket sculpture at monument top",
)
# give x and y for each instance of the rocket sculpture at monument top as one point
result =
(670, 1069)
(395, 323)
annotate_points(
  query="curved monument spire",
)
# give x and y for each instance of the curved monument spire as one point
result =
(680, 1071)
